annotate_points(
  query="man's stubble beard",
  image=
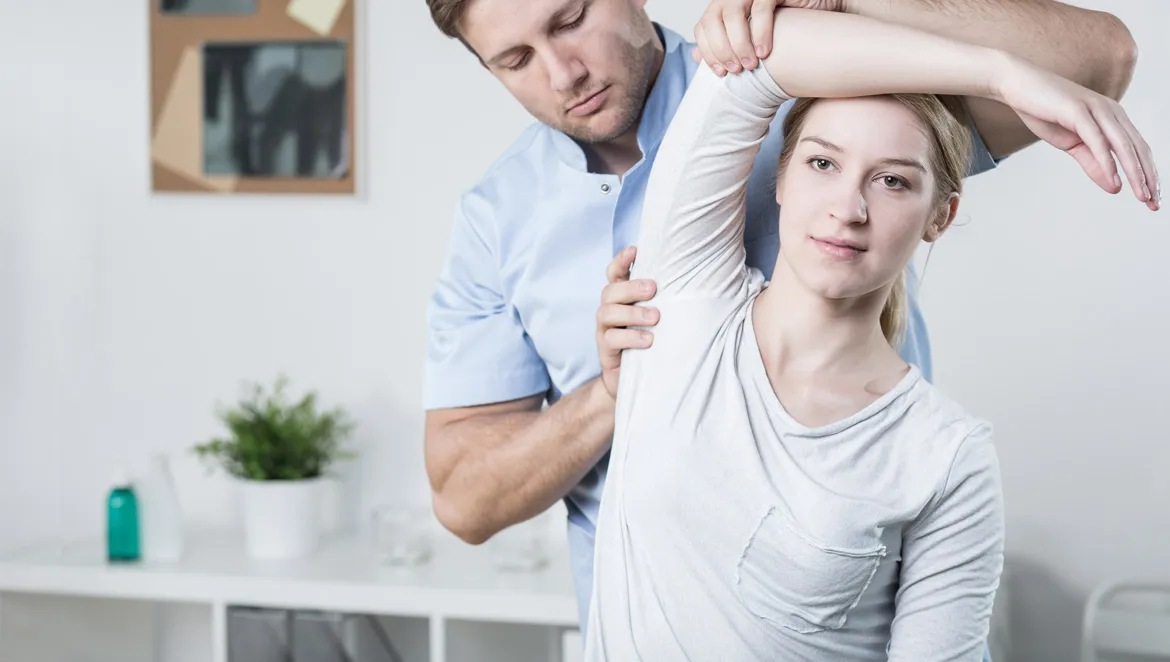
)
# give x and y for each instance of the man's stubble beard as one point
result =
(640, 61)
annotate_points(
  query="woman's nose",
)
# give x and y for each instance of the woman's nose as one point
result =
(850, 205)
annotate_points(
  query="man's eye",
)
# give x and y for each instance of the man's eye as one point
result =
(576, 22)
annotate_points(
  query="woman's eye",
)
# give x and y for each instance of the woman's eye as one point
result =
(822, 164)
(894, 182)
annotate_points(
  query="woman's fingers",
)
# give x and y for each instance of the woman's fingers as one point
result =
(1121, 144)
(1094, 139)
(1145, 156)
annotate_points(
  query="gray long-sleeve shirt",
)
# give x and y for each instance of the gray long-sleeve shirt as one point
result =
(730, 531)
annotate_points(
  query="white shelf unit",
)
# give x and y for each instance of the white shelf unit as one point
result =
(65, 602)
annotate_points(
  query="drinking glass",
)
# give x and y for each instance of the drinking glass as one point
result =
(522, 547)
(399, 534)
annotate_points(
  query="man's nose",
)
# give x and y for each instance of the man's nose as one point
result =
(565, 70)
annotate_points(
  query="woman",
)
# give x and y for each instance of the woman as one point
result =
(782, 486)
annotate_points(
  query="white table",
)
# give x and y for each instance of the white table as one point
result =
(449, 601)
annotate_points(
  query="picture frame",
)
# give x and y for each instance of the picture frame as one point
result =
(253, 96)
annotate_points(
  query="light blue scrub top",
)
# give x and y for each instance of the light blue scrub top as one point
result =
(514, 311)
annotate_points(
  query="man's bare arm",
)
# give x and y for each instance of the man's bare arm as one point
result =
(1091, 48)
(495, 465)
(813, 56)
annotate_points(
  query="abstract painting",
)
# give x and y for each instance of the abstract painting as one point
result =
(253, 96)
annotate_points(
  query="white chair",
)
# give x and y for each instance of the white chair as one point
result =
(1113, 629)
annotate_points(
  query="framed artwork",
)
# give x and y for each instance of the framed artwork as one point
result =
(252, 96)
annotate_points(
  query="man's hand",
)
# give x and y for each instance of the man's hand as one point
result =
(733, 35)
(1090, 127)
(618, 311)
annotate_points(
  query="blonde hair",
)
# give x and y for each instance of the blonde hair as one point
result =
(946, 120)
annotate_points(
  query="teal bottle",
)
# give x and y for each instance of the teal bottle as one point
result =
(122, 522)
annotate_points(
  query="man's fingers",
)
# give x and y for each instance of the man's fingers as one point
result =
(619, 339)
(622, 315)
(718, 53)
(628, 292)
(705, 54)
(619, 266)
(762, 23)
(735, 21)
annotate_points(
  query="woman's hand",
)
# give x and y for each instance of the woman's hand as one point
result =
(618, 311)
(1090, 127)
(734, 35)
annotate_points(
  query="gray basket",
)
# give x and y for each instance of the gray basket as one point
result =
(284, 635)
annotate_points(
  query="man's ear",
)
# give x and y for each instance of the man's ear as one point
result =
(942, 220)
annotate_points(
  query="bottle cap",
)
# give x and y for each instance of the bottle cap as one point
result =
(120, 477)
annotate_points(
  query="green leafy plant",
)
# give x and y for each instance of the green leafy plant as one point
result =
(271, 438)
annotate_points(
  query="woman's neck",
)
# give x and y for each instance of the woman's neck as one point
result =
(800, 331)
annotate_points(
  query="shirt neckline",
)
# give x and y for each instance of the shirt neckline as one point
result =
(759, 376)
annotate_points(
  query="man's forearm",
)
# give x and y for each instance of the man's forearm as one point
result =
(1082, 45)
(511, 467)
(1091, 48)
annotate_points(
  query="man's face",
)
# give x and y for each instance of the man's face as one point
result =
(581, 66)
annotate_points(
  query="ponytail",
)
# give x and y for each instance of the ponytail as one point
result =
(893, 318)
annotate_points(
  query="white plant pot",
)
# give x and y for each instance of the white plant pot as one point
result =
(281, 518)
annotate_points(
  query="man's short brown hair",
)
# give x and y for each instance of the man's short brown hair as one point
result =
(447, 15)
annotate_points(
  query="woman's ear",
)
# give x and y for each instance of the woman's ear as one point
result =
(779, 188)
(942, 220)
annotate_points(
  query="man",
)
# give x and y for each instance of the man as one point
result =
(513, 319)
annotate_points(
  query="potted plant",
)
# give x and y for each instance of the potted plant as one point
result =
(279, 450)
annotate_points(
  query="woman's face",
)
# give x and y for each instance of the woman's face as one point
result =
(858, 196)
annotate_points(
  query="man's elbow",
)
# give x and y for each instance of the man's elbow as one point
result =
(459, 518)
(1121, 59)
(454, 510)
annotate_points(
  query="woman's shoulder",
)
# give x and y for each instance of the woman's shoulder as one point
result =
(947, 431)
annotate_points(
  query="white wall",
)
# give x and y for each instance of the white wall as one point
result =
(124, 316)
(1048, 313)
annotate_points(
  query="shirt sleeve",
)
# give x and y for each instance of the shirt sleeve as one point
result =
(691, 234)
(952, 557)
(981, 158)
(477, 349)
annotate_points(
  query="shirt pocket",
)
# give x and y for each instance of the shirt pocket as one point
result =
(788, 578)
